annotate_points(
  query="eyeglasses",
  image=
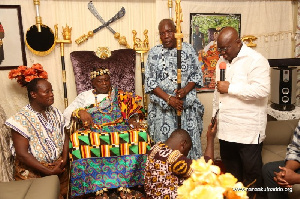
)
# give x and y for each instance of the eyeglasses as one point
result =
(224, 49)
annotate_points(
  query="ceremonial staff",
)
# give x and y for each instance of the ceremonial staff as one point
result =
(66, 40)
(178, 36)
(170, 5)
(142, 47)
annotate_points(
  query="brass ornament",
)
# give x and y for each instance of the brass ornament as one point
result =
(178, 34)
(84, 37)
(39, 39)
(170, 6)
(122, 40)
(249, 39)
(30, 42)
(66, 40)
(139, 45)
(179, 76)
(103, 52)
(142, 47)
(66, 37)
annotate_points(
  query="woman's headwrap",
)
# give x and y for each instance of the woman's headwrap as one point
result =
(24, 74)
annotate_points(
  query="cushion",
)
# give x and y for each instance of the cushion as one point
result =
(47, 188)
(121, 65)
(271, 153)
(280, 132)
(8, 189)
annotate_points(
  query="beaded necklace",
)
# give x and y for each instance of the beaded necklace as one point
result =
(47, 122)
(98, 103)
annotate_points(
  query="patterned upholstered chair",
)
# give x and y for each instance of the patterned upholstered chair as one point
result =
(89, 175)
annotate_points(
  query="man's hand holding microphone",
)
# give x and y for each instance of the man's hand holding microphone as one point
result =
(222, 85)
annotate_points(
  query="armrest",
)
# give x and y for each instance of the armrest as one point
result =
(75, 125)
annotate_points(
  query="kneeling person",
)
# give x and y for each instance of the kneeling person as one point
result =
(167, 165)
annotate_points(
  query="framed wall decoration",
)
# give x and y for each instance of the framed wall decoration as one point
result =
(204, 29)
(12, 45)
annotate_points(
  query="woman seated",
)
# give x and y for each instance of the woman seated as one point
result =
(39, 141)
(107, 152)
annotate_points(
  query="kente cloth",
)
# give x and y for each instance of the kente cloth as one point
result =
(208, 61)
(108, 154)
(23, 172)
(45, 136)
(161, 71)
(165, 171)
(111, 135)
(89, 175)
(127, 101)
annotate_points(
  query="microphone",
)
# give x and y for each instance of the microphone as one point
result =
(222, 67)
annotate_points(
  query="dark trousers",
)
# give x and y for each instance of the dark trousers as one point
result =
(268, 174)
(244, 162)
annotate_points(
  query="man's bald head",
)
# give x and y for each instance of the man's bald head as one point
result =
(229, 43)
(180, 140)
(228, 33)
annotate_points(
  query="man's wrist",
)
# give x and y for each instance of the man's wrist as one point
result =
(168, 100)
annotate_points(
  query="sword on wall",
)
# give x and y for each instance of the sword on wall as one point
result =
(121, 39)
(117, 16)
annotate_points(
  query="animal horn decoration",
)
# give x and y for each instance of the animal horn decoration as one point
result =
(178, 36)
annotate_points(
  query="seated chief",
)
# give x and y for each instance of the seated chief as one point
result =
(111, 128)
(167, 165)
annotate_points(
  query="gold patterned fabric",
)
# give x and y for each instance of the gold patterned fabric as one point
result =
(165, 171)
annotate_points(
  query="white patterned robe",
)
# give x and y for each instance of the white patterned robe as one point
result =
(46, 138)
(161, 71)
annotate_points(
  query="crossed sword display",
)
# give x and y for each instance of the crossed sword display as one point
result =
(119, 15)
(122, 40)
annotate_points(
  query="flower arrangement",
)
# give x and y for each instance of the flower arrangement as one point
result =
(208, 182)
(24, 75)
